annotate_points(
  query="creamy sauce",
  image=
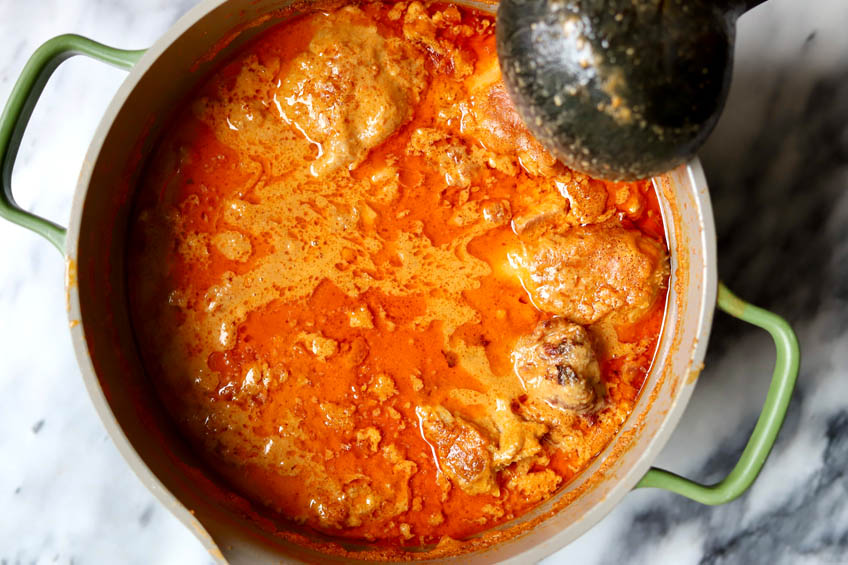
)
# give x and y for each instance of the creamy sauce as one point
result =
(335, 250)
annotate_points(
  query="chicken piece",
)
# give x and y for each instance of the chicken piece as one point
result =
(518, 437)
(423, 29)
(351, 90)
(238, 114)
(568, 199)
(464, 453)
(557, 364)
(589, 272)
(586, 196)
(541, 208)
(497, 125)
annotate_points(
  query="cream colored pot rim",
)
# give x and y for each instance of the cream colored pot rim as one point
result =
(695, 182)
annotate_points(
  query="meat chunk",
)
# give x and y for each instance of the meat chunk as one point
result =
(351, 89)
(424, 29)
(589, 272)
(464, 453)
(557, 364)
(496, 123)
(568, 199)
(587, 197)
(238, 115)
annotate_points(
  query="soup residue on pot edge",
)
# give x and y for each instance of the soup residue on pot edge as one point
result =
(367, 296)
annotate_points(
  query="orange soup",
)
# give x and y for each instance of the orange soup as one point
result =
(369, 299)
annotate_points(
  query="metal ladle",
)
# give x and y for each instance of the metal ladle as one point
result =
(619, 89)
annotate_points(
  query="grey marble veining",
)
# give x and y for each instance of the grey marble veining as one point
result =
(778, 171)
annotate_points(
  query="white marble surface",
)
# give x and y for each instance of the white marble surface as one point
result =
(778, 165)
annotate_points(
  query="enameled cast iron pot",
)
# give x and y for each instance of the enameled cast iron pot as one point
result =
(94, 246)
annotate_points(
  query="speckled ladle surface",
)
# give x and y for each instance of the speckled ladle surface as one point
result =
(619, 89)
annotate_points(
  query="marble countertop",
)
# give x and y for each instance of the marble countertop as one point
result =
(778, 170)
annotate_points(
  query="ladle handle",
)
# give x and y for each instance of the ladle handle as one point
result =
(768, 425)
(20, 105)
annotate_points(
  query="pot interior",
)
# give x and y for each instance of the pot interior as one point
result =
(126, 401)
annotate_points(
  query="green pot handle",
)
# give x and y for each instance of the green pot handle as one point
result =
(18, 110)
(768, 424)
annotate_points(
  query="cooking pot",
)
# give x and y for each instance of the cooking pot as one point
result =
(94, 248)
